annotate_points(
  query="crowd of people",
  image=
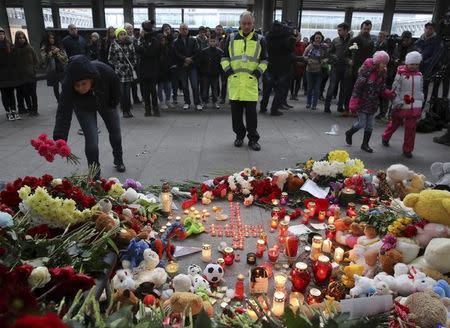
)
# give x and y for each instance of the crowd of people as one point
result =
(363, 73)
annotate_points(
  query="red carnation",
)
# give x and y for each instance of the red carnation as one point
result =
(204, 187)
(36, 143)
(47, 179)
(65, 151)
(43, 137)
(49, 157)
(60, 143)
(34, 321)
(410, 231)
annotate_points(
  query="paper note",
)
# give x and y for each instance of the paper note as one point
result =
(312, 187)
(319, 226)
(298, 230)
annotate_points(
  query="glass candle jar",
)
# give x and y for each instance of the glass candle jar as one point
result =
(322, 216)
(337, 213)
(228, 255)
(263, 236)
(260, 248)
(327, 246)
(295, 300)
(331, 220)
(239, 288)
(338, 255)
(274, 223)
(330, 233)
(166, 199)
(172, 268)
(300, 277)
(284, 198)
(283, 228)
(251, 258)
(259, 281)
(322, 269)
(280, 279)
(278, 304)
(220, 261)
(306, 216)
(206, 253)
(372, 202)
(316, 248)
(351, 210)
(273, 254)
(314, 296)
(312, 208)
(292, 243)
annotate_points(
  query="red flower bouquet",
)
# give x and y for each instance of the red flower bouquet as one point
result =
(48, 149)
(34, 321)
(408, 99)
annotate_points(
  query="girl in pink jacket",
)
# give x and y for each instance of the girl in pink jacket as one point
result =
(407, 104)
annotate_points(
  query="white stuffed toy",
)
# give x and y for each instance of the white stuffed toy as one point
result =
(198, 282)
(408, 248)
(398, 173)
(150, 261)
(129, 196)
(182, 283)
(435, 257)
(194, 270)
(363, 287)
(409, 281)
(157, 276)
(123, 279)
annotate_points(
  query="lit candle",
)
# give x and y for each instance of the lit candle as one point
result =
(273, 254)
(206, 253)
(275, 202)
(316, 247)
(284, 198)
(315, 296)
(330, 233)
(220, 261)
(322, 216)
(280, 279)
(326, 246)
(351, 212)
(322, 269)
(295, 300)
(312, 208)
(278, 304)
(306, 216)
(347, 195)
(331, 220)
(166, 199)
(172, 268)
(338, 255)
(274, 223)
(228, 255)
(260, 248)
(252, 314)
(284, 225)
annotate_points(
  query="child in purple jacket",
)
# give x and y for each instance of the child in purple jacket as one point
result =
(365, 99)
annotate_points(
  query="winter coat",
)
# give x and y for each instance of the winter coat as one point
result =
(7, 73)
(369, 87)
(280, 51)
(408, 88)
(315, 53)
(148, 50)
(365, 50)
(427, 46)
(104, 95)
(54, 65)
(202, 43)
(74, 45)
(164, 63)
(182, 49)
(104, 49)
(122, 57)
(338, 51)
(208, 61)
(93, 51)
(25, 63)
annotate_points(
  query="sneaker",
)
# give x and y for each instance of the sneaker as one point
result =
(186, 106)
(385, 143)
(120, 168)
(308, 106)
(10, 116)
(169, 105)
(238, 142)
(174, 102)
(199, 107)
(407, 154)
(164, 106)
(127, 115)
(254, 145)
(263, 110)
(276, 113)
(216, 105)
(80, 132)
(287, 105)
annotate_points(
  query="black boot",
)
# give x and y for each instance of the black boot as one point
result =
(156, 111)
(444, 140)
(148, 110)
(9, 116)
(365, 144)
(349, 134)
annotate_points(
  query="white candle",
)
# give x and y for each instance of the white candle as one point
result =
(206, 253)
(280, 280)
(295, 300)
(338, 255)
(326, 246)
(278, 304)
(331, 220)
(315, 248)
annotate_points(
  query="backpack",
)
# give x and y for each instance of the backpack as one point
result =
(436, 117)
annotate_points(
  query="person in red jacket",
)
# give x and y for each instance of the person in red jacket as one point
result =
(299, 65)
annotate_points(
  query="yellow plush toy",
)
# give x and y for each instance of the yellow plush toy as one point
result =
(432, 205)
(415, 184)
(182, 302)
(349, 271)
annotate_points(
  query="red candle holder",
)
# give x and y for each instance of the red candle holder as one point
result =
(273, 254)
(306, 216)
(300, 277)
(284, 198)
(322, 216)
(314, 297)
(260, 248)
(283, 228)
(239, 288)
(322, 269)
(351, 210)
(330, 233)
(228, 255)
(292, 243)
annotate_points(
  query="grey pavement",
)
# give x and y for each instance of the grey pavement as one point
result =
(192, 145)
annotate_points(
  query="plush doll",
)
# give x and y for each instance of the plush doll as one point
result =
(182, 283)
(415, 184)
(397, 173)
(157, 276)
(104, 222)
(409, 281)
(382, 288)
(201, 284)
(386, 279)
(134, 254)
(182, 302)
(384, 191)
(129, 196)
(435, 256)
(121, 298)
(431, 231)
(431, 205)
(150, 261)
(363, 287)
(194, 270)
(147, 288)
(441, 172)
(350, 272)
(105, 206)
(442, 288)
(213, 273)
(294, 183)
(123, 279)
(426, 309)
(409, 249)
(369, 186)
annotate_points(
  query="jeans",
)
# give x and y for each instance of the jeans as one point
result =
(409, 117)
(166, 87)
(206, 83)
(280, 83)
(365, 121)
(337, 79)
(134, 86)
(314, 80)
(88, 123)
(125, 97)
(149, 89)
(175, 81)
(8, 100)
(295, 86)
(251, 119)
(186, 76)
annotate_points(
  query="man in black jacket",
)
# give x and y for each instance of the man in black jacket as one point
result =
(90, 87)
(208, 63)
(185, 48)
(73, 43)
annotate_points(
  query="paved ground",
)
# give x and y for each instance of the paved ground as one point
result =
(190, 145)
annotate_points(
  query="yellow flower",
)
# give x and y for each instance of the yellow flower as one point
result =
(116, 191)
(352, 167)
(24, 192)
(309, 164)
(338, 156)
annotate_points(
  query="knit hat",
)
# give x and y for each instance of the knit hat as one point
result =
(120, 30)
(96, 35)
(380, 57)
(413, 57)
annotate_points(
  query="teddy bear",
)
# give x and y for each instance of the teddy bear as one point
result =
(429, 232)
(409, 281)
(150, 260)
(437, 250)
(409, 249)
(363, 286)
(415, 184)
(104, 222)
(389, 259)
(384, 191)
(182, 283)
(350, 272)
(441, 172)
(157, 276)
(182, 302)
(121, 298)
(431, 205)
(426, 309)
(123, 279)
(200, 284)
(397, 173)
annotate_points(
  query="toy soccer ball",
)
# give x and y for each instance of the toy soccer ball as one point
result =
(213, 273)
(194, 270)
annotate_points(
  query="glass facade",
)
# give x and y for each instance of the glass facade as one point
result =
(81, 17)
(114, 17)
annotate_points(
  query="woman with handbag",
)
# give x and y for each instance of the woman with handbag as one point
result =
(54, 59)
(122, 57)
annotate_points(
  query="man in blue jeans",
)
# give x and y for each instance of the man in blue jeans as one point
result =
(88, 88)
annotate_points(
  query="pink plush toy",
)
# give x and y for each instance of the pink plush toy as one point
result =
(430, 231)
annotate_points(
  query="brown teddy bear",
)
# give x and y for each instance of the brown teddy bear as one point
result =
(121, 298)
(103, 222)
(293, 183)
(426, 309)
(182, 302)
(389, 259)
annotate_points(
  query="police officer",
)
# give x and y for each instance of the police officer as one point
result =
(244, 61)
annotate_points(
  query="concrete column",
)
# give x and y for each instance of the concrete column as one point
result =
(267, 14)
(388, 16)
(182, 15)
(4, 22)
(300, 12)
(35, 22)
(440, 9)
(128, 11)
(152, 11)
(55, 15)
(348, 16)
(98, 13)
(289, 12)
(257, 12)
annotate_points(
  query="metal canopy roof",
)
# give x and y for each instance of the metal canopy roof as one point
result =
(402, 6)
